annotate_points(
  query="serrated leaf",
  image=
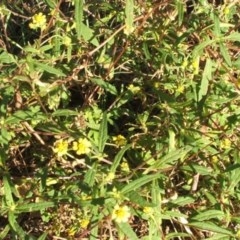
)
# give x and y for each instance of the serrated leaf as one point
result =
(108, 87)
(8, 191)
(225, 54)
(103, 133)
(33, 207)
(49, 69)
(182, 201)
(134, 185)
(64, 112)
(209, 226)
(118, 158)
(127, 230)
(168, 159)
(206, 77)
(129, 12)
(209, 214)
(15, 226)
(78, 14)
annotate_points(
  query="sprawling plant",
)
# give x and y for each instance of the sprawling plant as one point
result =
(119, 119)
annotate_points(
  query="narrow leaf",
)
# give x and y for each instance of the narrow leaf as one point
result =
(140, 182)
(207, 75)
(129, 12)
(108, 87)
(33, 207)
(15, 226)
(127, 230)
(103, 133)
(78, 14)
(8, 191)
(118, 158)
(206, 215)
(225, 54)
(49, 69)
(209, 226)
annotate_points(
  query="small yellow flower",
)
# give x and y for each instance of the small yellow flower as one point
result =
(225, 143)
(125, 167)
(83, 146)
(121, 213)
(67, 41)
(109, 178)
(134, 89)
(38, 21)
(214, 159)
(60, 147)
(180, 89)
(120, 140)
(84, 223)
(195, 65)
(116, 194)
(148, 210)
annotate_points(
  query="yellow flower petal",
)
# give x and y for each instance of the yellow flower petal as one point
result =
(82, 146)
(121, 213)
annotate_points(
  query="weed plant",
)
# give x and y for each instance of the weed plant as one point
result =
(119, 119)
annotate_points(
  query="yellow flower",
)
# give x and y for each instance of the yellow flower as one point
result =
(148, 210)
(225, 143)
(109, 178)
(134, 89)
(83, 146)
(121, 213)
(84, 223)
(125, 167)
(195, 65)
(120, 140)
(38, 21)
(60, 147)
(67, 41)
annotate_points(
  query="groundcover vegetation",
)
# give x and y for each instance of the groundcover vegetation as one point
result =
(119, 119)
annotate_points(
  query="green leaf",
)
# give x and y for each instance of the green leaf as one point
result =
(4, 232)
(183, 201)
(198, 50)
(234, 179)
(127, 230)
(103, 133)
(235, 36)
(33, 207)
(207, 75)
(64, 112)
(180, 9)
(8, 191)
(88, 35)
(105, 85)
(89, 178)
(118, 158)
(169, 159)
(177, 235)
(78, 14)
(209, 214)
(7, 58)
(49, 69)
(15, 226)
(225, 54)
(43, 236)
(129, 12)
(209, 226)
(134, 185)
